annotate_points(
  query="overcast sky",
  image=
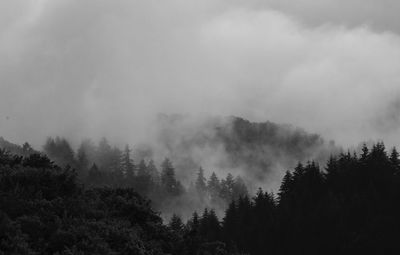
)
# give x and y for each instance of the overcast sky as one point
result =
(95, 67)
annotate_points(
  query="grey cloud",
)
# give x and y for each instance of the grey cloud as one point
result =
(94, 68)
(380, 15)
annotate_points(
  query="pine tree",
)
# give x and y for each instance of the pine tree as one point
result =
(214, 188)
(194, 222)
(364, 153)
(239, 188)
(59, 151)
(82, 163)
(168, 181)
(116, 168)
(213, 226)
(201, 186)
(176, 224)
(95, 176)
(227, 186)
(298, 171)
(128, 166)
(394, 159)
(27, 149)
(286, 186)
(153, 171)
(90, 150)
(104, 155)
(143, 178)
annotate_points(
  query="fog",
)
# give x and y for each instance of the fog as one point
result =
(107, 68)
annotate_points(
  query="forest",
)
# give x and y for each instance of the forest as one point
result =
(349, 205)
(190, 127)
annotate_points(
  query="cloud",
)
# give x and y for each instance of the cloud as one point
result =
(380, 15)
(97, 68)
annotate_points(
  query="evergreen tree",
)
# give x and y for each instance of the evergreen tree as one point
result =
(128, 166)
(227, 186)
(95, 176)
(153, 171)
(364, 153)
(201, 186)
(59, 151)
(214, 188)
(286, 186)
(82, 163)
(176, 224)
(27, 149)
(394, 159)
(90, 150)
(143, 178)
(239, 188)
(104, 156)
(168, 181)
(115, 167)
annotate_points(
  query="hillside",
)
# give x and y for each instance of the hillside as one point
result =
(259, 151)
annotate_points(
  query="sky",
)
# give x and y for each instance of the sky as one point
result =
(105, 68)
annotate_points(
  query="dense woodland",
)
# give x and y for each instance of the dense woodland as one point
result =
(256, 148)
(350, 205)
(102, 165)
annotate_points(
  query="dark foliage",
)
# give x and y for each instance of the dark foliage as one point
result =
(43, 210)
(350, 207)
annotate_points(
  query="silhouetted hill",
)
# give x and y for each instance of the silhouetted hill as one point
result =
(258, 151)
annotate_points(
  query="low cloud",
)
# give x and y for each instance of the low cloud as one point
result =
(100, 68)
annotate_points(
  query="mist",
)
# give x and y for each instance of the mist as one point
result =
(252, 120)
(98, 68)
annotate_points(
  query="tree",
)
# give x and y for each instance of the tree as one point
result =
(227, 186)
(364, 153)
(95, 176)
(286, 186)
(143, 178)
(394, 159)
(104, 155)
(153, 171)
(115, 167)
(38, 160)
(168, 181)
(214, 188)
(194, 222)
(90, 150)
(239, 188)
(128, 166)
(176, 224)
(201, 186)
(230, 224)
(27, 149)
(82, 163)
(59, 151)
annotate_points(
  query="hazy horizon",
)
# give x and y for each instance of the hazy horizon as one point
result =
(98, 68)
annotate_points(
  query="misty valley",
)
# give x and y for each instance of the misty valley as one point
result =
(192, 127)
(271, 189)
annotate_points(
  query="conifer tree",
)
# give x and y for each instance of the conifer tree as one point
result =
(168, 180)
(128, 165)
(153, 171)
(201, 186)
(239, 188)
(214, 188)
(176, 224)
(82, 163)
(394, 159)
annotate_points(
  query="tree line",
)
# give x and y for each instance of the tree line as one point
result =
(104, 165)
(351, 205)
